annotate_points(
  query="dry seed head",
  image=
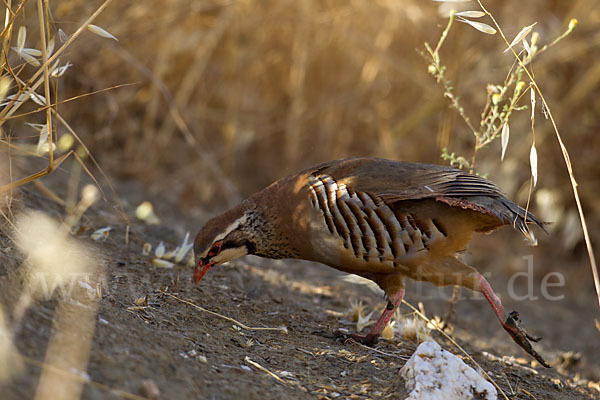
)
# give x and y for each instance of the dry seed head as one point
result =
(32, 52)
(55, 258)
(50, 48)
(505, 136)
(141, 301)
(160, 250)
(101, 234)
(573, 23)
(89, 195)
(521, 36)
(519, 86)
(182, 250)
(21, 37)
(180, 254)
(62, 36)
(437, 323)
(480, 26)
(414, 329)
(535, 37)
(492, 89)
(363, 322)
(357, 310)
(5, 83)
(95, 29)
(145, 212)
(159, 262)
(527, 47)
(146, 249)
(81, 152)
(470, 14)
(45, 148)
(389, 331)
(533, 160)
(30, 60)
(38, 98)
(42, 146)
(191, 260)
(169, 255)
(57, 71)
(65, 142)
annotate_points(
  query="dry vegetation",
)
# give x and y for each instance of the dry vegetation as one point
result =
(204, 102)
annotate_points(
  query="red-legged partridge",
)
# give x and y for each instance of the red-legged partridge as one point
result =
(380, 219)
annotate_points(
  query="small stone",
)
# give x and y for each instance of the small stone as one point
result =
(433, 373)
(149, 389)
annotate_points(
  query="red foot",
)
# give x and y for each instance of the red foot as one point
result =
(521, 337)
(368, 340)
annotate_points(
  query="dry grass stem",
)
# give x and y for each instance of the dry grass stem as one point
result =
(566, 157)
(243, 326)
(260, 367)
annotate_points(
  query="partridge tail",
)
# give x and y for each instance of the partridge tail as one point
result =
(510, 213)
(520, 219)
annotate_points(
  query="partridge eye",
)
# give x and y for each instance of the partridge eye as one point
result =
(215, 249)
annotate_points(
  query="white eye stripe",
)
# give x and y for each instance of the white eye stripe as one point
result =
(229, 255)
(230, 228)
(233, 226)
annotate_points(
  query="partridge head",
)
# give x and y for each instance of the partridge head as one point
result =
(222, 239)
(380, 219)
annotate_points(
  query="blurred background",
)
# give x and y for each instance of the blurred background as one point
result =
(224, 97)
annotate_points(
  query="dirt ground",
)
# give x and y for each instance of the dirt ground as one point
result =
(169, 347)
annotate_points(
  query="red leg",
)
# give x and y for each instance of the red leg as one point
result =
(491, 297)
(510, 323)
(371, 337)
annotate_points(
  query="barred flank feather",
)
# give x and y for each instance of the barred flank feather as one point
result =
(394, 181)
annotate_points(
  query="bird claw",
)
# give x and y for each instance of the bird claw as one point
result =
(532, 338)
(368, 340)
(520, 336)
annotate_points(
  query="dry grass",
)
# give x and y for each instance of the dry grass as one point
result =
(263, 88)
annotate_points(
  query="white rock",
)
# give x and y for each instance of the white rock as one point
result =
(433, 373)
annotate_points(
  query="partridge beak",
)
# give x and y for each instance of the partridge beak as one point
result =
(201, 269)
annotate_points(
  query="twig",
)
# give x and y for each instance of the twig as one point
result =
(249, 328)
(48, 193)
(381, 352)
(528, 394)
(257, 365)
(43, 28)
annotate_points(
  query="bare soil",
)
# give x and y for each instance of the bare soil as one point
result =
(185, 352)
